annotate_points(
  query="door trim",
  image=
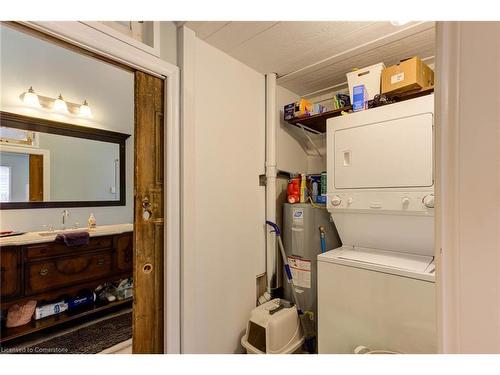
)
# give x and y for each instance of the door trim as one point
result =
(447, 202)
(91, 39)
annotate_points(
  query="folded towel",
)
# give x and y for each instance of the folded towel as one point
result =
(73, 238)
(19, 315)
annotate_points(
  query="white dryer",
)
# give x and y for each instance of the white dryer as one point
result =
(378, 289)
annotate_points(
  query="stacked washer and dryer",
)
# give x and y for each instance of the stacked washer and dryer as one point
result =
(377, 291)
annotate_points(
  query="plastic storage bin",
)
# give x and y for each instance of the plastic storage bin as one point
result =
(277, 333)
(369, 76)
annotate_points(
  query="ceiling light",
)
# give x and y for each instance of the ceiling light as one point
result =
(30, 98)
(85, 109)
(399, 23)
(60, 105)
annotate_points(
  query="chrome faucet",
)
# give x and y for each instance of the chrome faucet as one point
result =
(65, 215)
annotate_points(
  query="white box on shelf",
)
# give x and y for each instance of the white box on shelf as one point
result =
(369, 76)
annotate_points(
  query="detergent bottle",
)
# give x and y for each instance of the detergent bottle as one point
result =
(293, 190)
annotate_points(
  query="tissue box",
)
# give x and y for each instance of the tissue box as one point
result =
(408, 75)
(50, 309)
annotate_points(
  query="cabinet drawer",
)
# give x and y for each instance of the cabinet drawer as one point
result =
(56, 249)
(61, 272)
(10, 276)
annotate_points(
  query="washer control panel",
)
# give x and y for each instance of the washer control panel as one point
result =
(410, 201)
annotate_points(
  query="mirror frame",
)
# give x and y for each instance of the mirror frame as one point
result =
(14, 120)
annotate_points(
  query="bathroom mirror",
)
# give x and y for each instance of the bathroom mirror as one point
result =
(45, 163)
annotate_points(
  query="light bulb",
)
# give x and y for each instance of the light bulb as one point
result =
(399, 23)
(60, 105)
(30, 98)
(85, 109)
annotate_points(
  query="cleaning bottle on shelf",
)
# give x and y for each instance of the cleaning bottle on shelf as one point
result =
(303, 188)
(293, 189)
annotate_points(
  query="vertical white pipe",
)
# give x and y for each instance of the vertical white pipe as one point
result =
(271, 172)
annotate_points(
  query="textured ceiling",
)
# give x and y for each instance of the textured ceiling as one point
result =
(311, 56)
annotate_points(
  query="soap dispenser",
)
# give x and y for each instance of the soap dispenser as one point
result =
(92, 221)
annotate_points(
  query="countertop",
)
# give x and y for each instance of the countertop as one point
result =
(35, 237)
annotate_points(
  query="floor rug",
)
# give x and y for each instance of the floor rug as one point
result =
(90, 339)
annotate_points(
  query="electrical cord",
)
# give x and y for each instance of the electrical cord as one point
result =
(314, 204)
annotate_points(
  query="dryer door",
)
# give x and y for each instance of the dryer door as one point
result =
(397, 153)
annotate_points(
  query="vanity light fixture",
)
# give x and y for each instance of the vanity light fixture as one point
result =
(85, 109)
(30, 98)
(60, 105)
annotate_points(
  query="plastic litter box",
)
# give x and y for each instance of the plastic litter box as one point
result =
(273, 333)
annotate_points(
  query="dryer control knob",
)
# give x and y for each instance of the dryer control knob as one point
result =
(349, 201)
(336, 200)
(428, 201)
(405, 201)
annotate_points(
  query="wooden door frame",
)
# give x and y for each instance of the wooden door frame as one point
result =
(122, 51)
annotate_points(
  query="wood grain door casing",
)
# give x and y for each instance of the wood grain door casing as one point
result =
(148, 261)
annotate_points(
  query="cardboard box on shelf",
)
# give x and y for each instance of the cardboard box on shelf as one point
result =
(409, 75)
(300, 108)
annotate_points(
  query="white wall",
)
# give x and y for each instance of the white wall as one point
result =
(223, 139)
(290, 153)
(27, 61)
(168, 41)
(468, 183)
(294, 152)
(81, 169)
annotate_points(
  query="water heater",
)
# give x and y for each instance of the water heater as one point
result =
(301, 239)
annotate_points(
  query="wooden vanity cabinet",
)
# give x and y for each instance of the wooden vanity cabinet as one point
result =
(10, 272)
(124, 247)
(49, 274)
(46, 271)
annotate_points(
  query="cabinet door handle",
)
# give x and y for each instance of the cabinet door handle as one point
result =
(100, 261)
(44, 272)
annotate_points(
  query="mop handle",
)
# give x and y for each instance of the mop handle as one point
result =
(275, 227)
(286, 265)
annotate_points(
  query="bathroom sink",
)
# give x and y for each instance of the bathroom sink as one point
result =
(50, 233)
(54, 232)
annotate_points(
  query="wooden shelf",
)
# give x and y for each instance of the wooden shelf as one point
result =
(411, 94)
(8, 334)
(318, 122)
